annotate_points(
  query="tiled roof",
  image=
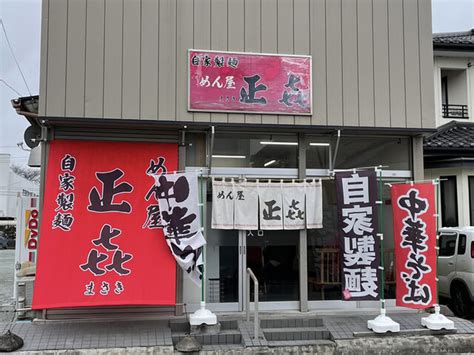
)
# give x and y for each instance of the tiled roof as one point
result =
(454, 39)
(453, 135)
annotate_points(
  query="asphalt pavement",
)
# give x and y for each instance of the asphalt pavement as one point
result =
(7, 260)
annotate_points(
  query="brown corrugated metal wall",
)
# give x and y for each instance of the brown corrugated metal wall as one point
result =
(372, 60)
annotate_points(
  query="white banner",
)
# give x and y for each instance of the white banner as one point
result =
(222, 205)
(314, 205)
(246, 206)
(270, 206)
(293, 205)
(181, 219)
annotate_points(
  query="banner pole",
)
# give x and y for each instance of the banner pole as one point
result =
(438, 215)
(436, 320)
(382, 250)
(202, 229)
(382, 323)
(202, 315)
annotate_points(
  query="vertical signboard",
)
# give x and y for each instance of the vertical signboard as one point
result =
(102, 242)
(27, 240)
(414, 229)
(357, 228)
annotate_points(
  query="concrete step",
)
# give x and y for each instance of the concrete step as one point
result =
(224, 337)
(291, 323)
(301, 333)
(288, 343)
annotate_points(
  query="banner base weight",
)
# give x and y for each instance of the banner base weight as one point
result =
(203, 316)
(437, 321)
(383, 324)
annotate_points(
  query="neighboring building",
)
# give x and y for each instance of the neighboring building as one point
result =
(449, 153)
(11, 186)
(118, 71)
(454, 76)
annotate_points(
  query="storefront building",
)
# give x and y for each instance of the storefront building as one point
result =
(118, 72)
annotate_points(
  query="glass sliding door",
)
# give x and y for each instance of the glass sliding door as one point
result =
(223, 264)
(273, 257)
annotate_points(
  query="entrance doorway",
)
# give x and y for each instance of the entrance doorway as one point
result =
(273, 256)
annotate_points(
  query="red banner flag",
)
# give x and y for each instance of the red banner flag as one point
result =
(414, 228)
(101, 237)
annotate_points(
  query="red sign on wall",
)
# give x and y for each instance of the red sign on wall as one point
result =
(255, 83)
(414, 226)
(101, 238)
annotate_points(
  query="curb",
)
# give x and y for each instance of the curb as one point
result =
(462, 343)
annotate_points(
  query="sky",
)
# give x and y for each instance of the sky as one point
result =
(22, 20)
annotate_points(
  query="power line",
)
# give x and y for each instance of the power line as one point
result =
(14, 57)
(10, 87)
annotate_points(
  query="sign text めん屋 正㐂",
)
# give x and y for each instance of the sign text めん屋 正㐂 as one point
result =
(246, 82)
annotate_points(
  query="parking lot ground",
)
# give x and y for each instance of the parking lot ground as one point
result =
(7, 260)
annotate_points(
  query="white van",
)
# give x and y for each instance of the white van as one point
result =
(456, 269)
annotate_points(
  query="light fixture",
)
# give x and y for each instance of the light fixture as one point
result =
(269, 162)
(229, 156)
(319, 144)
(278, 143)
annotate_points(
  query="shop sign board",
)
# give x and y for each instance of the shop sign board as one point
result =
(357, 228)
(249, 82)
(414, 229)
(101, 240)
(27, 240)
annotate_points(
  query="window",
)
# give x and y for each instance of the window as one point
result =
(356, 151)
(318, 152)
(447, 244)
(324, 249)
(462, 244)
(471, 199)
(444, 90)
(255, 151)
(449, 202)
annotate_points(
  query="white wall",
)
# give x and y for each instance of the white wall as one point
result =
(10, 185)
